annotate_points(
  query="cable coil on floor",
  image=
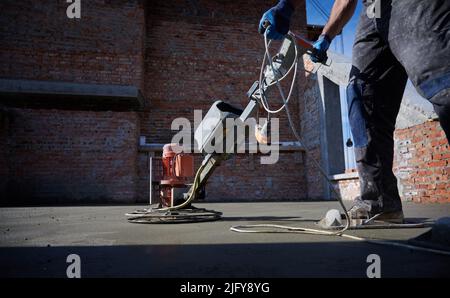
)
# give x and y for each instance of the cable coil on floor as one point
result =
(186, 215)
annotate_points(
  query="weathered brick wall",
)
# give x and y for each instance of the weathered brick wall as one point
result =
(61, 156)
(105, 46)
(183, 55)
(244, 178)
(201, 51)
(198, 52)
(347, 188)
(347, 185)
(77, 155)
(421, 164)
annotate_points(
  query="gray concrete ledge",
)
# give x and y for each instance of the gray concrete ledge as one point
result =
(339, 70)
(157, 147)
(53, 94)
(345, 176)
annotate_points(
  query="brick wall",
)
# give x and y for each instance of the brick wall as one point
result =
(183, 55)
(57, 155)
(244, 178)
(347, 188)
(105, 46)
(196, 53)
(60, 156)
(421, 165)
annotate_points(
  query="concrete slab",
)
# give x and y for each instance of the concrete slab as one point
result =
(35, 241)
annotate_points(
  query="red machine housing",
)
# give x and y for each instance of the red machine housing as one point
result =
(177, 167)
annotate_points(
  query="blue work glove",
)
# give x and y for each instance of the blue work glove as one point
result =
(279, 18)
(320, 47)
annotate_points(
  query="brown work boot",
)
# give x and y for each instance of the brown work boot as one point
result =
(391, 217)
(362, 211)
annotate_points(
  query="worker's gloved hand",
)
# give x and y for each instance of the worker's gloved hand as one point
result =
(319, 54)
(279, 18)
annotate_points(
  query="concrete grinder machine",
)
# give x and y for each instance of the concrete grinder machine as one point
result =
(176, 194)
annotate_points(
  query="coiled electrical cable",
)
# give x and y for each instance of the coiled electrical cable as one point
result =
(264, 103)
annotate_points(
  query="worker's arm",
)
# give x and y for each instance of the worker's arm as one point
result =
(279, 17)
(341, 13)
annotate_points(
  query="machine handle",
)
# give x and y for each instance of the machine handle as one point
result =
(302, 42)
(305, 44)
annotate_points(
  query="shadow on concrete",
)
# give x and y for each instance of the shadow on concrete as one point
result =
(308, 259)
(290, 219)
(266, 218)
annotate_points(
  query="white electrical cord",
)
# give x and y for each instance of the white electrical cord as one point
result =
(303, 230)
(300, 230)
(145, 212)
(294, 65)
(297, 136)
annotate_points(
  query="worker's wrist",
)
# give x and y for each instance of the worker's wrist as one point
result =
(326, 37)
(285, 8)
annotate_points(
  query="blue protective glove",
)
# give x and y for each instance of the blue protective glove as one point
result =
(279, 18)
(319, 54)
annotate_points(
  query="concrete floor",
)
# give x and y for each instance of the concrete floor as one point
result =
(35, 241)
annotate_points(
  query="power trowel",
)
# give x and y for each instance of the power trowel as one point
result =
(214, 132)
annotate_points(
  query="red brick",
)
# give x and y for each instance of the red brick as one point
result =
(182, 56)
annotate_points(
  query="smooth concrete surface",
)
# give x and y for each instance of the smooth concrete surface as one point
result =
(35, 241)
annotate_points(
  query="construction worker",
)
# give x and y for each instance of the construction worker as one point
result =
(395, 39)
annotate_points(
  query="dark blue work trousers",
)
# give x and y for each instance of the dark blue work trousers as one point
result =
(410, 38)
